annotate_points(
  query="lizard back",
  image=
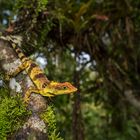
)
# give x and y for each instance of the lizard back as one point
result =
(37, 75)
(33, 70)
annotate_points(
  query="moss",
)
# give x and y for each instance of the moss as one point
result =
(12, 113)
(49, 118)
(37, 5)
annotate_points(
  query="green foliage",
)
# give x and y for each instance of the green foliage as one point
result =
(32, 29)
(4, 92)
(12, 115)
(40, 4)
(42, 34)
(49, 118)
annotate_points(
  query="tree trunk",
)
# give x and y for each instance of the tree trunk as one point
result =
(77, 121)
(34, 127)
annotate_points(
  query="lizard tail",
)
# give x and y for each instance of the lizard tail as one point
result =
(19, 52)
(15, 43)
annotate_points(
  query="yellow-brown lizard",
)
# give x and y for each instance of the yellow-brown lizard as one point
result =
(42, 85)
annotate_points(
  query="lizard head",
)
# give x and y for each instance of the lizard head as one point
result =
(56, 88)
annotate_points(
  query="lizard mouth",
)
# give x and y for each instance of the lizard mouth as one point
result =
(51, 94)
(75, 89)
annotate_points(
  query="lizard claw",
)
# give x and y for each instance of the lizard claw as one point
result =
(26, 100)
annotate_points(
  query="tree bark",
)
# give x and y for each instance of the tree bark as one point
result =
(34, 127)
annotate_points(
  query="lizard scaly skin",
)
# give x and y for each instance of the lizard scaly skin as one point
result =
(42, 85)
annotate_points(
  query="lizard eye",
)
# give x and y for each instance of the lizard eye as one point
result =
(64, 87)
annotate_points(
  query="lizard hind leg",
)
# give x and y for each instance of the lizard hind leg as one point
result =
(20, 68)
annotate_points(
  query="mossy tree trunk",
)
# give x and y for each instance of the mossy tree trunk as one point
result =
(34, 127)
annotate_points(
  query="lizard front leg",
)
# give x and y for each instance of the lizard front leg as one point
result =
(28, 93)
(35, 90)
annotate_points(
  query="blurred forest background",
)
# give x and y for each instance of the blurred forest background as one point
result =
(95, 45)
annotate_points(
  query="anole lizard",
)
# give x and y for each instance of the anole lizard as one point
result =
(42, 85)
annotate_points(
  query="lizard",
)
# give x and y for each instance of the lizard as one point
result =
(43, 86)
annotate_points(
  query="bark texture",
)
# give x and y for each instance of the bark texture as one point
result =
(34, 127)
